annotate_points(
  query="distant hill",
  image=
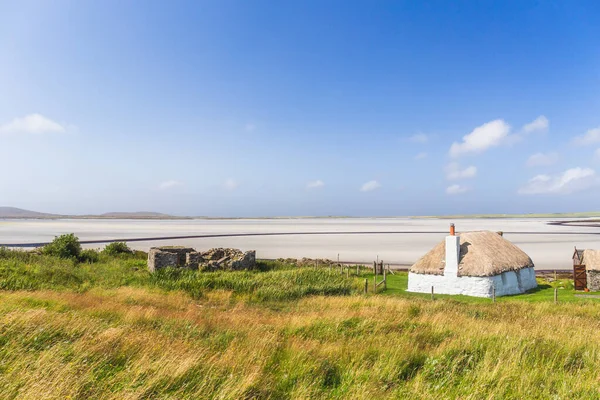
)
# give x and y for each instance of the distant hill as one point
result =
(136, 214)
(13, 212)
(18, 213)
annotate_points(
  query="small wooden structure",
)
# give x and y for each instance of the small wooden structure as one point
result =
(579, 277)
(579, 274)
(586, 269)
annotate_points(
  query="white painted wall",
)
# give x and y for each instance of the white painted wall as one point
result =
(507, 283)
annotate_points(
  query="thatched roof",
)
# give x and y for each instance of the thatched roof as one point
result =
(591, 260)
(482, 253)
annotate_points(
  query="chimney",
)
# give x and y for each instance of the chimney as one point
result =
(452, 253)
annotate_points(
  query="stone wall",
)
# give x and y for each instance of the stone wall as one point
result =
(593, 280)
(213, 259)
(162, 257)
(507, 283)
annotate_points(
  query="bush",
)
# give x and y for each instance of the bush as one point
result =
(89, 256)
(114, 248)
(63, 246)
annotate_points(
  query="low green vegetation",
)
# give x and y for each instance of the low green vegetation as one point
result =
(272, 281)
(114, 248)
(64, 246)
(106, 328)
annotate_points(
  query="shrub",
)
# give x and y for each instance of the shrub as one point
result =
(89, 256)
(63, 246)
(114, 248)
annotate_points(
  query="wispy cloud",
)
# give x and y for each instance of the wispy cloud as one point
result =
(32, 124)
(166, 185)
(542, 159)
(456, 189)
(540, 124)
(419, 138)
(315, 184)
(483, 137)
(592, 136)
(421, 156)
(571, 180)
(231, 184)
(454, 171)
(369, 186)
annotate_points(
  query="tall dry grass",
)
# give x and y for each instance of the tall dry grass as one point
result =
(144, 343)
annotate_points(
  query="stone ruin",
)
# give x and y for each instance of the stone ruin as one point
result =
(309, 262)
(213, 259)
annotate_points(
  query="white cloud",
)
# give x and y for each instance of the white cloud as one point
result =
(590, 137)
(419, 138)
(371, 185)
(571, 180)
(456, 189)
(421, 156)
(169, 185)
(453, 171)
(597, 154)
(231, 184)
(541, 159)
(32, 123)
(540, 124)
(315, 184)
(483, 137)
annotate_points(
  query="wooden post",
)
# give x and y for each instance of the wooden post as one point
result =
(347, 272)
(366, 286)
(493, 294)
(374, 267)
(375, 282)
(432, 295)
(357, 270)
(384, 279)
(555, 295)
(554, 275)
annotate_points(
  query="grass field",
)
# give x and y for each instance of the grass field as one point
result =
(110, 330)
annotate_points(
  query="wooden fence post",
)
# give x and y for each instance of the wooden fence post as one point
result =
(347, 272)
(432, 295)
(555, 295)
(357, 270)
(384, 278)
(366, 286)
(493, 294)
(375, 282)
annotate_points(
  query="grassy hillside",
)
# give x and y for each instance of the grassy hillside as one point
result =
(110, 330)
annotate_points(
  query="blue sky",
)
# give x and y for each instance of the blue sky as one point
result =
(261, 108)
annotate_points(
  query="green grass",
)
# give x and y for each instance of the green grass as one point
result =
(272, 281)
(111, 330)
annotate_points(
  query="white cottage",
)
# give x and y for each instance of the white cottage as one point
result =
(473, 264)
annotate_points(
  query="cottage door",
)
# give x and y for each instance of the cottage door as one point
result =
(579, 277)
